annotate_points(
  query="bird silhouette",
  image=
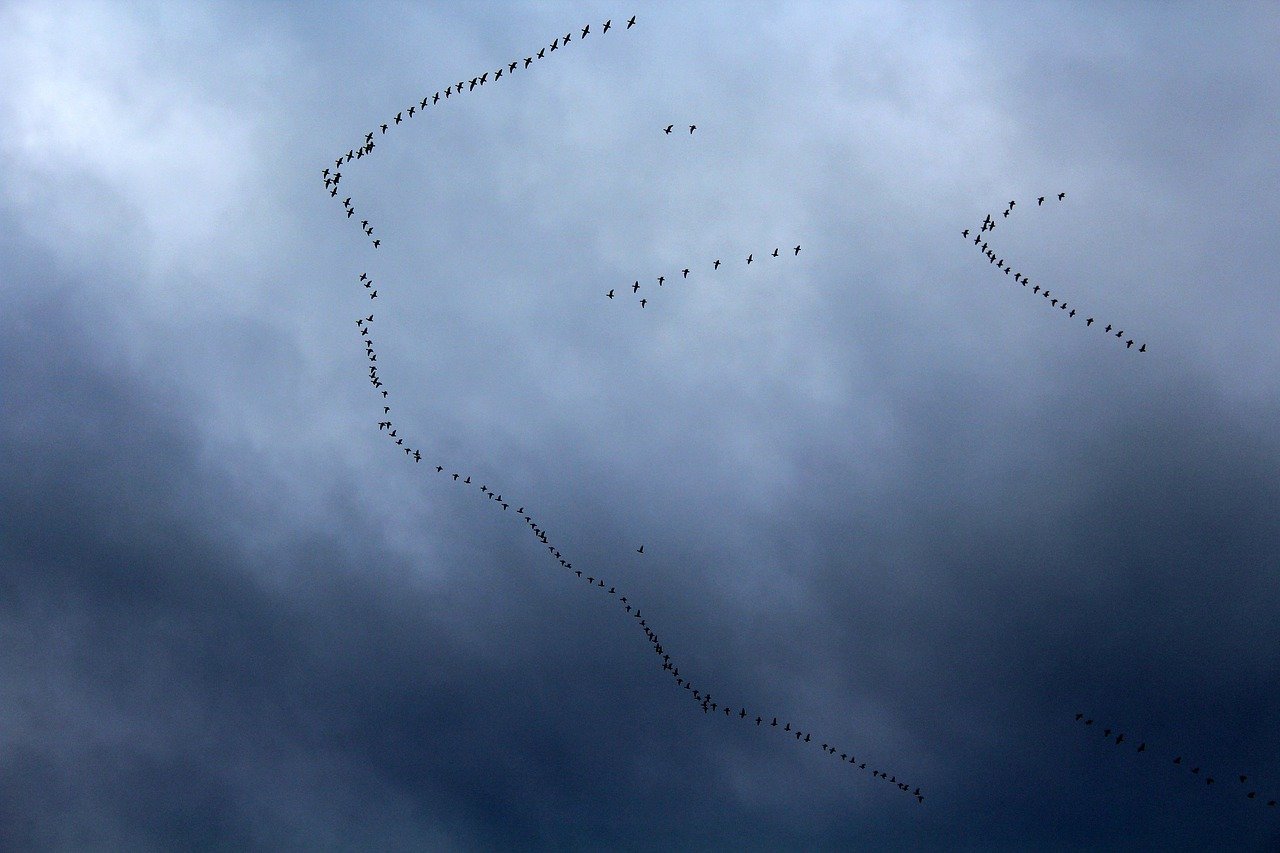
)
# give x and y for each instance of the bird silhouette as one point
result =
(635, 287)
(692, 128)
(797, 250)
(640, 550)
(1061, 196)
(643, 302)
(667, 129)
(685, 271)
(609, 294)
(631, 23)
(717, 265)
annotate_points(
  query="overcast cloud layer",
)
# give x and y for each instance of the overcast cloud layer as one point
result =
(884, 492)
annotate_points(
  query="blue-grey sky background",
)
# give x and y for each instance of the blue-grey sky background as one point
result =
(884, 492)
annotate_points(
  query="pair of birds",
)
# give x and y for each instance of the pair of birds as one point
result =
(668, 128)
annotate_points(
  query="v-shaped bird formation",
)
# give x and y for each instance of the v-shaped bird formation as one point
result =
(1239, 784)
(984, 245)
(450, 474)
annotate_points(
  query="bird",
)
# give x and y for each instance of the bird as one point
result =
(373, 295)
(685, 271)
(965, 233)
(797, 250)
(748, 259)
(1061, 196)
(555, 44)
(631, 23)
(635, 287)
(667, 129)
(512, 66)
(1040, 201)
(412, 108)
(1142, 348)
(417, 457)
(497, 74)
(609, 294)
(376, 244)
(1128, 343)
(643, 302)
(661, 279)
(775, 253)
(397, 118)
(364, 223)
(384, 128)
(692, 128)
(717, 265)
(1089, 322)
(585, 30)
(1011, 204)
(640, 550)
(542, 53)
(607, 24)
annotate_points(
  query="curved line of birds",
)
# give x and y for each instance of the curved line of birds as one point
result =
(635, 286)
(364, 324)
(1249, 791)
(332, 179)
(989, 224)
(703, 698)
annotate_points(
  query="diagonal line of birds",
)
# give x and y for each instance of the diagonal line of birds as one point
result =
(983, 245)
(684, 274)
(1246, 790)
(387, 425)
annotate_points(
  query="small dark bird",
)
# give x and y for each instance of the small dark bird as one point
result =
(965, 233)
(748, 259)
(1089, 322)
(686, 272)
(692, 128)
(542, 53)
(377, 243)
(585, 30)
(1108, 329)
(397, 118)
(797, 250)
(609, 294)
(497, 74)
(1142, 348)
(643, 302)
(635, 287)
(640, 550)
(512, 66)
(1128, 343)
(661, 279)
(1061, 196)
(411, 109)
(631, 23)
(667, 129)
(528, 60)
(775, 253)
(384, 128)
(717, 265)
(555, 44)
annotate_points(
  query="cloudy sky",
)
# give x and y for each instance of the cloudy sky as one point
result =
(885, 493)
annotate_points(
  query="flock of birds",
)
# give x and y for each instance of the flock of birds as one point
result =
(700, 696)
(983, 244)
(1248, 791)
(387, 426)
(684, 274)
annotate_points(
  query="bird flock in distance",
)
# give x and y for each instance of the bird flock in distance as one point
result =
(699, 694)
(983, 244)
(684, 274)
(701, 697)
(1246, 790)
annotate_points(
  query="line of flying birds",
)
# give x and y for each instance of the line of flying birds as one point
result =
(684, 274)
(1248, 791)
(989, 224)
(703, 698)
(332, 179)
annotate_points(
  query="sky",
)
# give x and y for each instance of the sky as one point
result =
(886, 493)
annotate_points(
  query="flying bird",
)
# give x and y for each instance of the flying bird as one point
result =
(797, 250)
(643, 302)
(607, 24)
(609, 294)
(686, 272)
(692, 128)
(667, 129)
(748, 259)
(585, 30)
(1040, 201)
(1061, 196)
(717, 265)
(635, 287)
(631, 23)
(640, 550)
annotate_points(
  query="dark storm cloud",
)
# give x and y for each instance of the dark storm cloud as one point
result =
(885, 493)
